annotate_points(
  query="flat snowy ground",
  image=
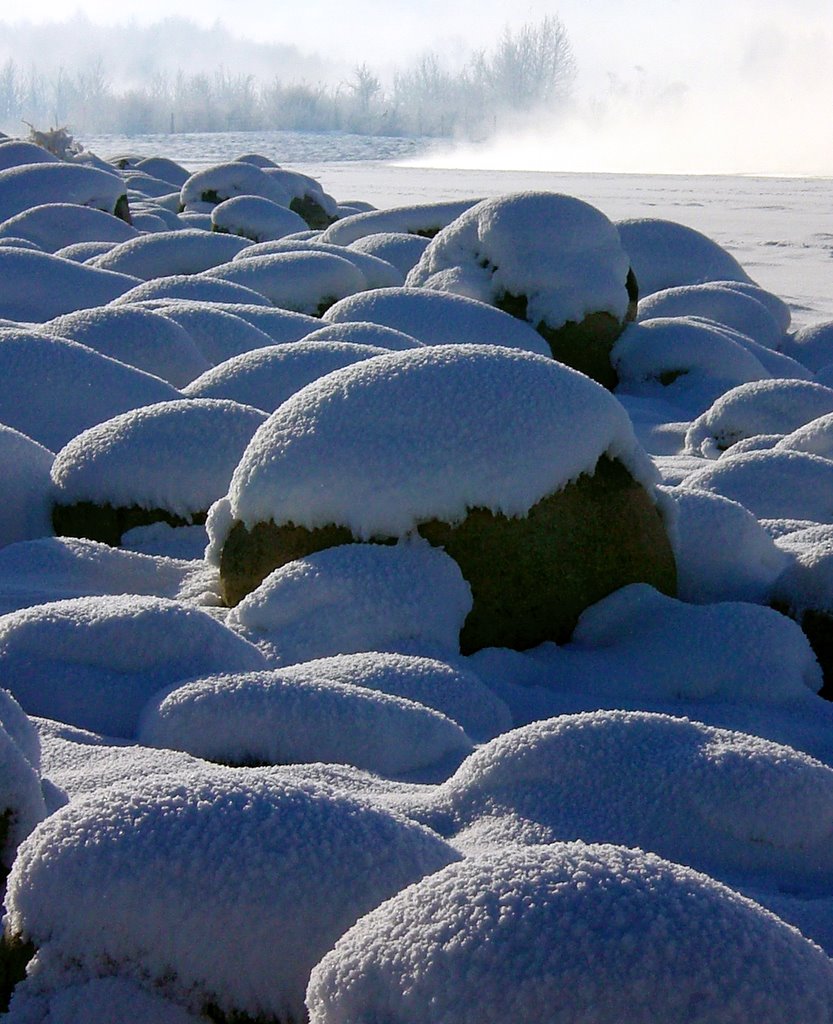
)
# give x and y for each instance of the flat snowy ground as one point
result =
(311, 804)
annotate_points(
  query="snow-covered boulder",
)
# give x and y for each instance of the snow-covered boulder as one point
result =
(35, 286)
(21, 798)
(52, 388)
(270, 718)
(218, 889)
(398, 248)
(55, 225)
(169, 253)
(136, 336)
(570, 932)
(720, 302)
(58, 568)
(25, 469)
(94, 662)
(14, 152)
(164, 462)
(811, 345)
(255, 218)
(193, 287)
(759, 407)
(378, 273)
(362, 332)
(304, 282)
(684, 360)
(665, 254)
(722, 551)
(517, 465)
(29, 185)
(266, 377)
(357, 597)
(549, 259)
(452, 689)
(422, 219)
(437, 318)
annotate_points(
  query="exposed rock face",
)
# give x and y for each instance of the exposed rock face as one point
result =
(531, 576)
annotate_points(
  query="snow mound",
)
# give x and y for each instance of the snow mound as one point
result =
(95, 661)
(455, 691)
(424, 219)
(54, 225)
(224, 181)
(136, 336)
(51, 388)
(29, 185)
(722, 551)
(401, 250)
(218, 334)
(194, 287)
(14, 152)
(176, 910)
(177, 456)
(638, 641)
(25, 467)
(360, 332)
(811, 345)
(275, 718)
(255, 218)
(35, 286)
(807, 584)
(720, 302)
(760, 407)
(359, 597)
(428, 434)
(56, 568)
(734, 806)
(772, 484)
(563, 255)
(815, 437)
(165, 169)
(96, 1001)
(377, 272)
(304, 282)
(266, 377)
(438, 318)
(665, 254)
(80, 252)
(21, 799)
(169, 253)
(570, 932)
(683, 360)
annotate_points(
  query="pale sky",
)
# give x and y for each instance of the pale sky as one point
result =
(694, 39)
(740, 74)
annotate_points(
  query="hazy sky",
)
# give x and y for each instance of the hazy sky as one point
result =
(671, 38)
(740, 76)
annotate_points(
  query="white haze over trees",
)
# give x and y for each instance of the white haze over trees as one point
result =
(246, 86)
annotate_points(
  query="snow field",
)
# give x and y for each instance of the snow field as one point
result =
(312, 805)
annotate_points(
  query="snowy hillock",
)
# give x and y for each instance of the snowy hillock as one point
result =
(422, 678)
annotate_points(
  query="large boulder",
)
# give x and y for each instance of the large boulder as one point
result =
(549, 259)
(526, 472)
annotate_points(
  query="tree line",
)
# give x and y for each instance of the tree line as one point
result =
(527, 69)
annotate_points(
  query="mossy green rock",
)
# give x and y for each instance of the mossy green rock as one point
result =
(584, 345)
(107, 523)
(531, 576)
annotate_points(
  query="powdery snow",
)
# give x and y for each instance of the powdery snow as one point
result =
(425, 434)
(230, 886)
(438, 318)
(280, 718)
(357, 597)
(177, 456)
(95, 661)
(563, 255)
(570, 932)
